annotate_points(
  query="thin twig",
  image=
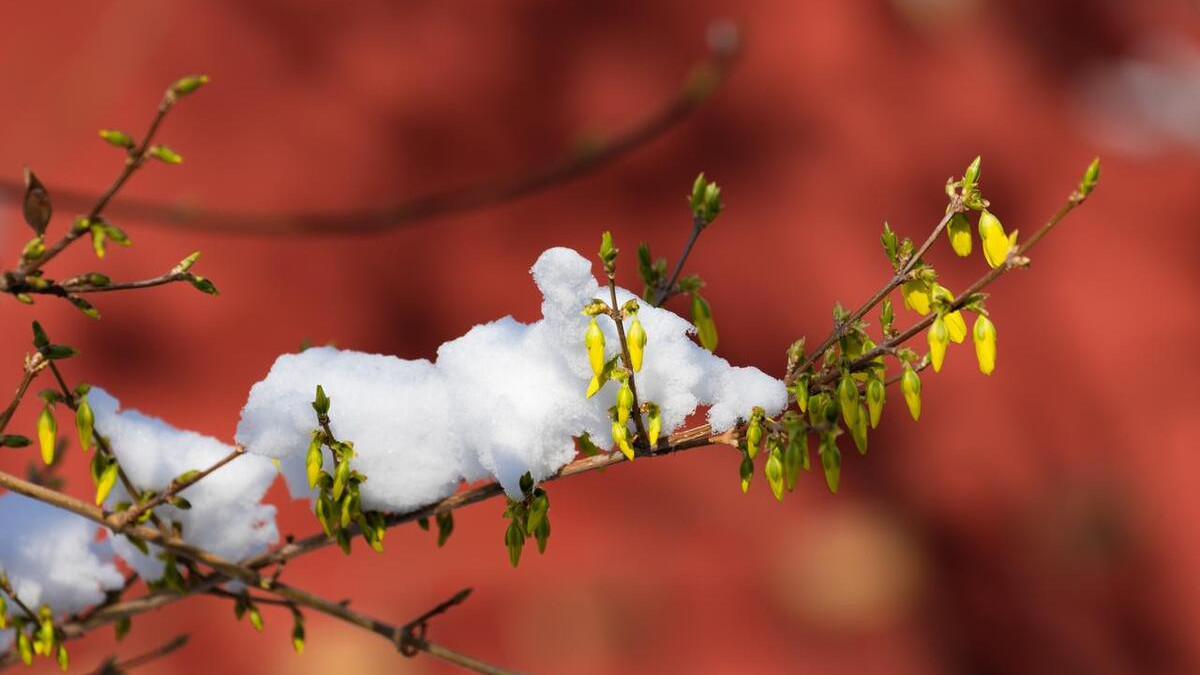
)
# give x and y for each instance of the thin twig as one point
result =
(697, 88)
(902, 275)
(112, 665)
(133, 161)
(626, 359)
(668, 289)
(7, 589)
(1016, 260)
(33, 365)
(175, 487)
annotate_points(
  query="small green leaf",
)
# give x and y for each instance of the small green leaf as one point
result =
(186, 85)
(706, 328)
(116, 138)
(165, 154)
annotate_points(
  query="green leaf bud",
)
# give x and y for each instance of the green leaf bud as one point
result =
(119, 139)
(774, 472)
(876, 393)
(847, 391)
(746, 472)
(802, 392)
(858, 431)
(1090, 178)
(186, 85)
(85, 421)
(164, 154)
(702, 318)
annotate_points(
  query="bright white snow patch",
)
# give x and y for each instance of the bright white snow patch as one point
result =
(504, 399)
(226, 517)
(52, 558)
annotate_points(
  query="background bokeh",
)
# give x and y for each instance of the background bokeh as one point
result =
(1040, 520)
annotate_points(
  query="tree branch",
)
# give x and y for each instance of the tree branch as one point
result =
(701, 82)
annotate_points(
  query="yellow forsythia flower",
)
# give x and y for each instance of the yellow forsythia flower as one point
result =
(955, 323)
(996, 243)
(620, 434)
(910, 384)
(985, 344)
(917, 296)
(939, 338)
(636, 337)
(653, 423)
(594, 340)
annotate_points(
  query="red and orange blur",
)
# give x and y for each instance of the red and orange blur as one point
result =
(1039, 520)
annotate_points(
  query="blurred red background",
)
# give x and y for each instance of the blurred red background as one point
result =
(1040, 520)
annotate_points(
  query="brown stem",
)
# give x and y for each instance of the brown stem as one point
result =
(901, 276)
(668, 289)
(32, 366)
(132, 162)
(133, 513)
(112, 665)
(1016, 259)
(627, 359)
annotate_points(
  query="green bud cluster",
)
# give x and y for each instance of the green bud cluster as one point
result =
(528, 517)
(35, 636)
(338, 504)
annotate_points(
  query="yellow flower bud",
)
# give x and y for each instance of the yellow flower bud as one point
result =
(746, 471)
(593, 386)
(653, 423)
(594, 340)
(996, 243)
(774, 471)
(636, 337)
(939, 337)
(47, 428)
(910, 385)
(876, 392)
(985, 344)
(847, 391)
(624, 402)
(620, 434)
(917, 296)
(959, 232)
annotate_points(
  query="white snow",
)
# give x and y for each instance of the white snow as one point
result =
(503, 399)
(52, 558)
(227, 517)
